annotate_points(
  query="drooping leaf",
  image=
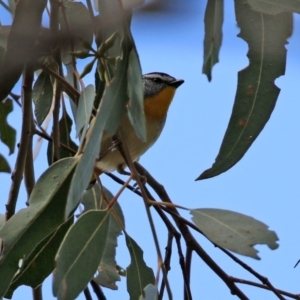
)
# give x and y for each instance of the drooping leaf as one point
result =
(150, 293)
(107, 273)
(84, 109)
(42, 94)
(40, 263)
(4, 32)
(106, 112)
(20, 44)
(80, 254)
(136, 112)
(80, 25)
(7, 133)
(256, 94)
(274, 7)
(4, 166)
(234, 231)
(26, 229)
(139, 275)
(65, 127)
(213, 20)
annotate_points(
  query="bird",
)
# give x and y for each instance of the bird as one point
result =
(158, 91)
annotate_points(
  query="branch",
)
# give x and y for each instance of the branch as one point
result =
(248, 282)
(17, 174)
(97, 290)
(189, 238)
(122, 147)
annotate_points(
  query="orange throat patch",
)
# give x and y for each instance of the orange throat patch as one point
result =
(156, 107)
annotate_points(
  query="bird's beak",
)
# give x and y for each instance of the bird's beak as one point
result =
(177, 83)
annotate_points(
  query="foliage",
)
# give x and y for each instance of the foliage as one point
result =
(47, 237)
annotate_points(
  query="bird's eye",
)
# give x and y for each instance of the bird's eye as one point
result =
(157, 80)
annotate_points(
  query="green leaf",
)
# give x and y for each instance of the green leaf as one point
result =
(136, 112)
(139, 275)
(84, 110)
(28, 14)
(42, 94)
(80, 254)
(256, 94)
(7, 133)
(80, 25)
(40, 263)
(274, 7)
(24, 230)
(213, 20)
(65, 127)
(4, 32)
(234, 231)
(106, 113)
(150, 293)
(107, 273)
(4, 166)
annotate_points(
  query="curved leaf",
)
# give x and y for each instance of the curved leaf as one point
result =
(84, 109)
(112, 99)
(256, 94)
(136, 112)
(65, 127)
(80, 254)
(234, 231)
(4, 166)
(139, 275)
(150, 293)
(7, 133)
(23, 231)
(42, 94)
(213, 35)
(41, 261)
(274, 7)
(107, 273)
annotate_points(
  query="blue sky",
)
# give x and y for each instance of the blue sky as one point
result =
(264, 184)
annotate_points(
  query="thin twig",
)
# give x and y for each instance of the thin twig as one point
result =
(5, 6)
(263, 279)
(17, 175)
(188, 262)
(37, 293)
(87, 294)
(49, 138)
(69, 89)
(189, 238)
(126, 155)
(248, 282)
(97, 290)
(29, 178)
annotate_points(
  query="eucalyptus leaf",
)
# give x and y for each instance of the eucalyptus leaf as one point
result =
(28, 227)
(80, 254)
(42, 94)
(214, 16)
(7, 133)
(136, 112)
(139, 275)
(256, 93)
(4, 166)
(65, 127)
(106, 113)
(40, 263)
(107, 272)
(150, 293)
(234, 231)
(84, 109)
(275, 7)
